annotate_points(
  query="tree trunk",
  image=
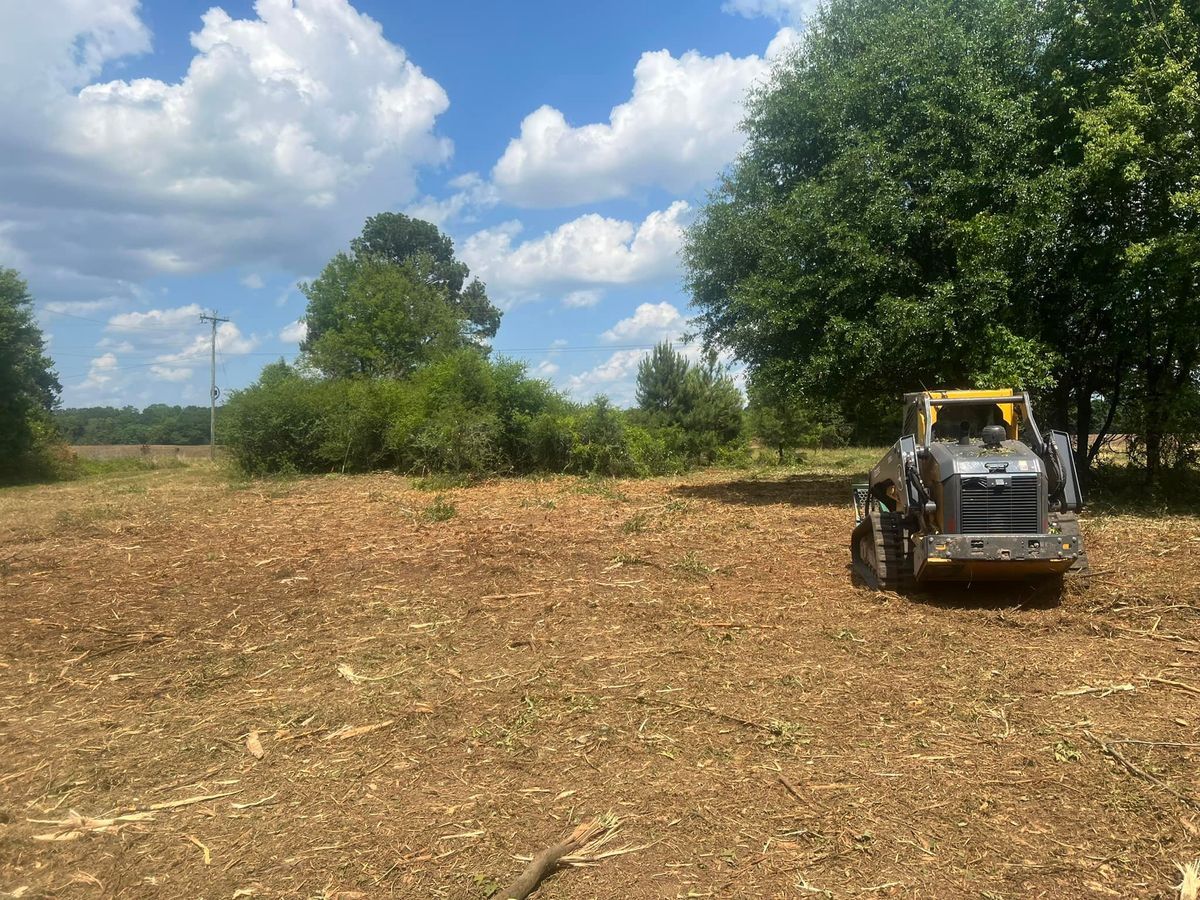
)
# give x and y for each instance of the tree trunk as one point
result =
(1114, 402)
(1083, 430)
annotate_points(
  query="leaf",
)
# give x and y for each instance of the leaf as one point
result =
(1065, 751)
(254, 745)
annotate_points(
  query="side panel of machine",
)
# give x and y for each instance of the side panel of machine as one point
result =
(888, 483)
(1072, 495)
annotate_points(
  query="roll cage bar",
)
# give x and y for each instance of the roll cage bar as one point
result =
(1018, 401)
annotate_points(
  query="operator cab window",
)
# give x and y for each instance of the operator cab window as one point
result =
(953, 420)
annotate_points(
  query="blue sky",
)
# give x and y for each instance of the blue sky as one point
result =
(167, 157)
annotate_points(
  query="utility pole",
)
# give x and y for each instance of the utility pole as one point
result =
(212, 385)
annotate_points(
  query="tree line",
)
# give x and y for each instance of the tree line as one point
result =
(396, 372)
(158, 423)
(941, 193)
(984, 193)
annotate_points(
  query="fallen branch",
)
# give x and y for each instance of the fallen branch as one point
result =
(1116, 755)
(75, 826)
(1191, 689)
(791, 788)
(583, 846)
(1102, 690)
(513, 596)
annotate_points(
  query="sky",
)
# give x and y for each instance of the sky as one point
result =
(167, 158)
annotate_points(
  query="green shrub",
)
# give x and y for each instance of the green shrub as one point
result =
(45, 456)
(459, 415)
(602, 442)
(440, 510)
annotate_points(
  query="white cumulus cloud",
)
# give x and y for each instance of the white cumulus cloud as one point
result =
(161, 320)
(582, 299)
(615, 378)
(650, 323)
(589, 250)
(286, 130)
(171, 373)
(679, 128)
(471, 195)
(294, 332)
(230, 341)
(100, 372)
(794, 11)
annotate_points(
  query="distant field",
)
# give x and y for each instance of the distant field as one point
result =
(349, 687)
(132, 451)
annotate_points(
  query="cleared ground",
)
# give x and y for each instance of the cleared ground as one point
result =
(437, 685)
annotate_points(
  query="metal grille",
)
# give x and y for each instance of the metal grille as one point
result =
(1000, 505)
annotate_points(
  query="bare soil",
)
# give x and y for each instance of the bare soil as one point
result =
(346, 687)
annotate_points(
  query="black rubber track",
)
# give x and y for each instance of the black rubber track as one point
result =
(888, 564)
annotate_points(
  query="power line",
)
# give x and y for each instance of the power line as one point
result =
(118, 327)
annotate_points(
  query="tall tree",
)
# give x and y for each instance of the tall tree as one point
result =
(397, 238)
(1121, 94)
(662, 380)
(861, 246)
(370, 317)
(970, 192)
(700, 401)
(29, 388)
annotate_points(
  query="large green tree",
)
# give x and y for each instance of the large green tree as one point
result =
(970, 192)
(369, 317)
(29, 388)
(1120, 260)
(862, 244)
(397, 238)
(396, 301)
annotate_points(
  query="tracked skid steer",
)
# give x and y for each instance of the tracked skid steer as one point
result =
(972, 492)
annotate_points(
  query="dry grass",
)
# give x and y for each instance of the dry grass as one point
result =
(315, 688)
(141, 451)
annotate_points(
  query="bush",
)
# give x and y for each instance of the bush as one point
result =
(45, 458)
(698, 408)
(460, 415)
(601, 445)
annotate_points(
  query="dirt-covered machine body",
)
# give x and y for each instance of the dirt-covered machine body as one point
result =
(972, 492)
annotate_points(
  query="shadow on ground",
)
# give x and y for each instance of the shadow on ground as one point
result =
(996, 595)
(796, 490)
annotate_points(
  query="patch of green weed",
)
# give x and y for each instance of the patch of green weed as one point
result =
(441, 482)
(635, 524)
(692, 566)
(440, 510)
